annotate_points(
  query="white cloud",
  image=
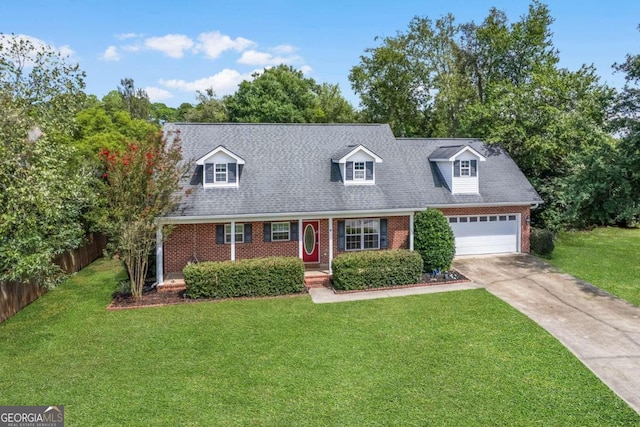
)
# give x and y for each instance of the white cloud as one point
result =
(172, 45)
(214, 43)
(110, 54)
(223, 83)
(125, 36)
(252, 57)
(157, 94)
(132, 47)
(283, 49)
(306, 69)
(65, 50)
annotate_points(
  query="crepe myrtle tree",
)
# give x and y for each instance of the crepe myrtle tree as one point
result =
(434, 240)
(141, 183)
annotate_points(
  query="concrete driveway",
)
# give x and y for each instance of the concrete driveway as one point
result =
(601, 330)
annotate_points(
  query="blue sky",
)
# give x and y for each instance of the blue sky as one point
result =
(173, 48)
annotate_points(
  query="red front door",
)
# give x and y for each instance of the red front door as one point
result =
(310, 242)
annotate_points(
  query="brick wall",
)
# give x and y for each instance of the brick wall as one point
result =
(200, 239)
(524, 212)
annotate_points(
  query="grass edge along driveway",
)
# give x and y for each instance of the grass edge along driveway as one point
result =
(457, 358)
(606, 257)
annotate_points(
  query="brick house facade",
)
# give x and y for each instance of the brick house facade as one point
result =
(315, 191)
(197, 242)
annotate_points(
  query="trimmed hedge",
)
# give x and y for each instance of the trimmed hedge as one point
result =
(542, 242)
(375, 269)
(434, 240)
(249, 277)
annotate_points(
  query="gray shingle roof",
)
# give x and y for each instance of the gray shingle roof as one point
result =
(289, 170)
(445, 152)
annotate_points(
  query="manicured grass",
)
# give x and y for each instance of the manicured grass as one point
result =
(607, 257)
(459, 359)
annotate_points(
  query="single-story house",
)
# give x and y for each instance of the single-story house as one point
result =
(318, 190)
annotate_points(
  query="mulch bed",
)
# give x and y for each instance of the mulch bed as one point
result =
(153, 298)
(447, 278)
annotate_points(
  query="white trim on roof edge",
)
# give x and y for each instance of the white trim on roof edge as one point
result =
(324, 214)
(459, 152)
(359, 147)
(239, 160)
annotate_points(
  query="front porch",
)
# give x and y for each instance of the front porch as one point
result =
(315, 276)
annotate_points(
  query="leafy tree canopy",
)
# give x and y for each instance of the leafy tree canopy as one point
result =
(283, 95)
(496, 80)
(209, 109)
(136, 101)
(42, 193)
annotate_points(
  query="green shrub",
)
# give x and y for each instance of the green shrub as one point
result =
(375, 269)
(250, 277)
(542, 242)
(434, 240)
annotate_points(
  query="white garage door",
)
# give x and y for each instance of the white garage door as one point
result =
(485, 234)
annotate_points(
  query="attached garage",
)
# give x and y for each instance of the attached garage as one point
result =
(486, 234)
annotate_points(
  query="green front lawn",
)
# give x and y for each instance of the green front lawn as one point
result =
(459, 359)
(606, 257)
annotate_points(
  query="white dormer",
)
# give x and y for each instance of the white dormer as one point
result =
(357, 165)
(459, 168)
(220, 168)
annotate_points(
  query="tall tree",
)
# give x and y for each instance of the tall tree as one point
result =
(160, 113)
(332, 107)
(136, 101)
(392, 81)
(98, 129)
(496, 80)
(209, 109)
(284, 95)
(604, 187)
(42, 193)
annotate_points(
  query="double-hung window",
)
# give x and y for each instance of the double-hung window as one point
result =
(465, 168)
(239, 233)
(359, 173)
(280, 231)
(221, 172)
(362, 234)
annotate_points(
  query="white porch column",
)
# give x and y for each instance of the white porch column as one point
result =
(411, 232)
(233, 240)
(330, 245)
(159, 256)
(300, 232)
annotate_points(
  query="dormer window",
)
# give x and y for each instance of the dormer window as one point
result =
(465, 168)
(221, 168)
(357, 165)
(458, 166)
(221, 173)
(358, 171)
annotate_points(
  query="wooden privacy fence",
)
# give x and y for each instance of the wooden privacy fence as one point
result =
(15, 296)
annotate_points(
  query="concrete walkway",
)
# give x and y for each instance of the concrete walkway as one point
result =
(601, 330)
(325, 295)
